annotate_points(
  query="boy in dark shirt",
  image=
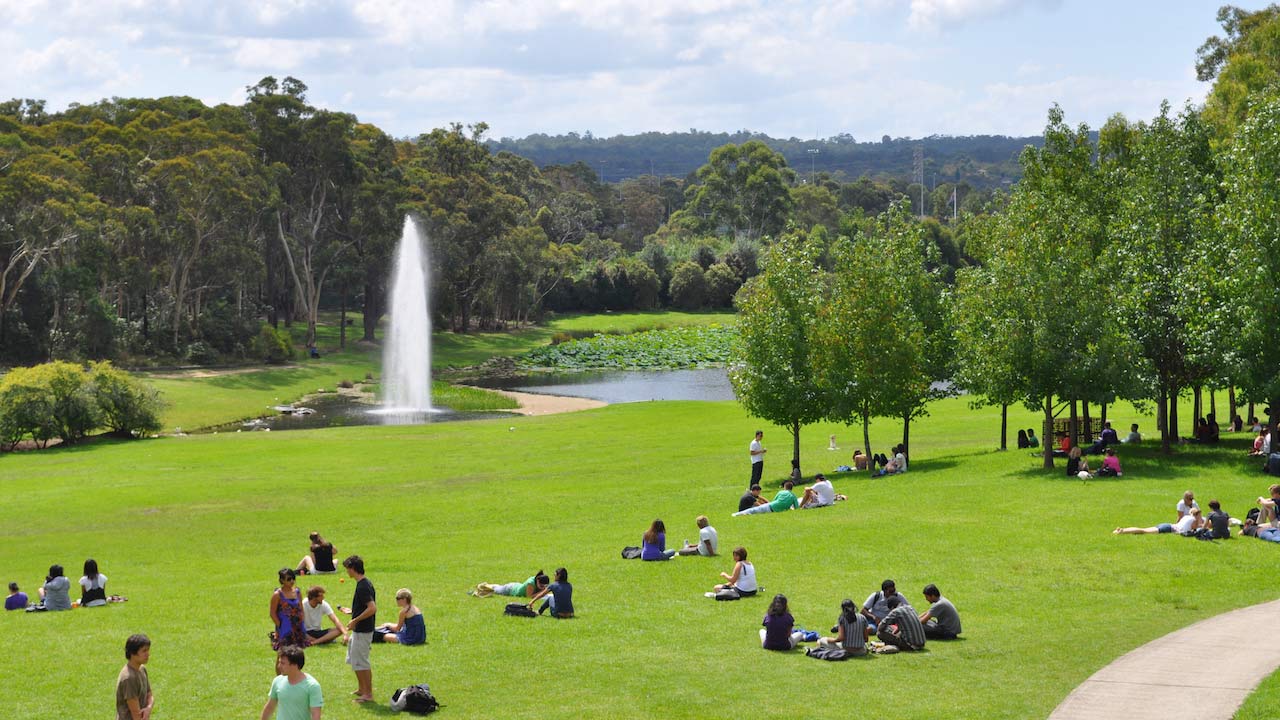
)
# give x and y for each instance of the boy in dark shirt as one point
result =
(1219, 521)
(364, 613)
(751, 499)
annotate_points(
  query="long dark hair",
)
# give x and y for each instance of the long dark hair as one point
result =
(562, 575)
(849, 610)
(91, 569)
(779, 605)
(651, 535)
(540, 579)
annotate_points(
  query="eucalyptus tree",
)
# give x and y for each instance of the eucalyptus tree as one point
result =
(774, 374)
(743, 189)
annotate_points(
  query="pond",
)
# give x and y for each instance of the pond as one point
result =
(624, 386)
(337, 410)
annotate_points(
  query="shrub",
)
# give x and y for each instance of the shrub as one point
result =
(272, 345)
(26, 409)
(47, 400)
(722, 283)
(346, 384)
(688, 286)
(126, 405)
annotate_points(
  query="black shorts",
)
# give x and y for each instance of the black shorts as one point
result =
(317, 633)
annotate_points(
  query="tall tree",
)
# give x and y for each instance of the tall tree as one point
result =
(744, 189)
(774, 375)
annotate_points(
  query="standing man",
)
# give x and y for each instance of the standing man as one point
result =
(295, 692)
(364, 613)
(757, 458)
(133, 688)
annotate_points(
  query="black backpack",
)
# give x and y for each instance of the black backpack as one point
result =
(631, 552)
(415, 699)
(519, 610)
(827, 653)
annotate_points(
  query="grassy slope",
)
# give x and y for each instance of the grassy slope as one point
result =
(193, 529)
(201, 402)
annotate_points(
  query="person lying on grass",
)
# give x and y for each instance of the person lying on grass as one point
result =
(741, 583)
(1262, 532)
(851, 631)
(653, 544)
(779, 632)
(751, 499)
(559, 596)
(314, 611)
(1187, 525)
(410, 628)
(526, 589)
(783, 501)
(708, 540)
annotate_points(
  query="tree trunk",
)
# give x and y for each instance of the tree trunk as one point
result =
(1103, 420)
(1174, 392)
(1162, 419)
(1088, 426)
(866, 438)
(342, 320)
(795, 446)
(1213, 403)
(1047, 440)
(1197, 406)
(1073, 427)
(906, 438)
(372, 311)
(1252, 410)
(1004, 426)
(1231, 399)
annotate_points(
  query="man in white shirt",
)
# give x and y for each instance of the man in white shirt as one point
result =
(820, 494)
(757, 458)
(314, 610)
(708, 540)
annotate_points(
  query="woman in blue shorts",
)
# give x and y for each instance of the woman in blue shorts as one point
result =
(1189, 523)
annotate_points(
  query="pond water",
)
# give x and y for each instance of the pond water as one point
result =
(334, 410)
(624, 386)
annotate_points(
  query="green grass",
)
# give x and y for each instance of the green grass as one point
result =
(1262, 703)
(192, 530)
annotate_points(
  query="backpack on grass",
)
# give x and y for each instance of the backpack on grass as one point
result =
(414, 699)
(519, 610)
(825, 653)
(631, 552)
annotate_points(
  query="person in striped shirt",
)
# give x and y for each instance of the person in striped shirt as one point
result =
(851, 631)
(901, 627)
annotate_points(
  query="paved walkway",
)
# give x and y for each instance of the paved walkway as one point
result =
(1197, 672)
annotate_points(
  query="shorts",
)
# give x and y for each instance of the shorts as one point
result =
(358, 651)
(317, 633)
(1164, 528)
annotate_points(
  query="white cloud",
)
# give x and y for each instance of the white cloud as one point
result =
(932, 15)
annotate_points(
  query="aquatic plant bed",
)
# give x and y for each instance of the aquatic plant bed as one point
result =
(683, 347)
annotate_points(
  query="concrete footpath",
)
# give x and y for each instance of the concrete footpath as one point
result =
(1201, 672)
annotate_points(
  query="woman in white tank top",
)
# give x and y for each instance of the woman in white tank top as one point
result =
(743, 580)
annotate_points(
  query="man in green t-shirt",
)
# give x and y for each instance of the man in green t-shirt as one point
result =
(784, 500)
(294, 694)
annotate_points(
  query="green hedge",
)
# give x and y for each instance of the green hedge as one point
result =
(68, 401)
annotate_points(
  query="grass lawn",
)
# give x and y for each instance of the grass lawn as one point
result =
(197, 402)
(193, 529)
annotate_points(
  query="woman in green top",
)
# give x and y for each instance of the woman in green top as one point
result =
(528, 588)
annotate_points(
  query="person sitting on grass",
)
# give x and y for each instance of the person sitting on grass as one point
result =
(1032, 440)
(751, 499)
(410, 628)
(877, 605)
(820, 494)
(1257, 442)
(93, 585)
(783, 501)
(314, 610)
(319, 560)
(559, 596)
(1076, 463)
(1022, 440)
(897, 463)
(17, 599)
(1187, 525)
(653, 544)
(1134, 436)
(779, 632)
(1064, 445)
(741, 583)
(941, 621)
(851, 631)
(708, 540)
(1218, 521)
(1187, 502)
(901, 627)
(1110, 464)
(55, 593)
(1270, 506)
(860, 461)
(1105, 439)
(526, 589)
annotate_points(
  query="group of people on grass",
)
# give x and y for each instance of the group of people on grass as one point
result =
(55, 593)
(1262, 522)
(886, 614)
(556, 597)
(878, 464)
(821, 494)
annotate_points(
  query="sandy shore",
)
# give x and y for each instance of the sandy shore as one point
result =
(533, 404)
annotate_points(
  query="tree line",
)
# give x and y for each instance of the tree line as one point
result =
(165, 230)
(1139, 262)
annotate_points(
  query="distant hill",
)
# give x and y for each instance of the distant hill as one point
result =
(983, 161)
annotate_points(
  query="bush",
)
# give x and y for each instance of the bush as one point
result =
(45, 401)
(688, 286)
(126, 405)
(272, 345)
(722, 283)
(346, 384)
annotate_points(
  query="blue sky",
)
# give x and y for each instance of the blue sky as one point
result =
(803, 69)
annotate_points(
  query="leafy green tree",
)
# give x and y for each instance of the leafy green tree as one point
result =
(815, 205)
(1244, 62)
(774, 376)
(127, 406)
(722, 284)
(688, 286)
(743, 189)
